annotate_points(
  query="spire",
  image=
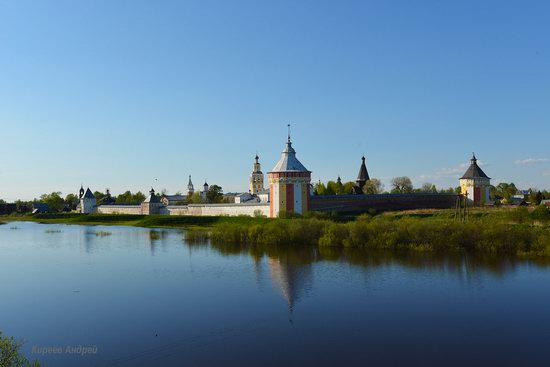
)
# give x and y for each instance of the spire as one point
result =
(474, 159)
(190, 187)
(363, 175)
(288, 133)
(81, 192)
(152, 192)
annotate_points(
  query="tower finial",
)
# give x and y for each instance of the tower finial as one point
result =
(288, 132)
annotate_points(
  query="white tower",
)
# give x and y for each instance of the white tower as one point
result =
(475, 184)
(256, 178)
(88, 203)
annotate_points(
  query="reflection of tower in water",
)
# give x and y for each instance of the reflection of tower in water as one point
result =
(292, 280)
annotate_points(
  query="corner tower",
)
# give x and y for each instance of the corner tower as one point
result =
(475, 184)
(256, 178)
(87, 202)
(289, 184)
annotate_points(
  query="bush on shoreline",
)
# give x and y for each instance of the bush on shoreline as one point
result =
(385, 233)
(10, 354)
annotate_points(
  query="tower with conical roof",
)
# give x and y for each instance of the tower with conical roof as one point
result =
(363, 175)
(152, 204)
(257, 177)
(475, 184)
(289, 184)
(88, 202)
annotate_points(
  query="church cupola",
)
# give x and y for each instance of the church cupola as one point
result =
(81, 192)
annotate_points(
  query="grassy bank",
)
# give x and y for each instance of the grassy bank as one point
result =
(513, 232)
(518, 232)
(149, 221)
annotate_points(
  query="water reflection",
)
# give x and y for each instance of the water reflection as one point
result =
(291, 267)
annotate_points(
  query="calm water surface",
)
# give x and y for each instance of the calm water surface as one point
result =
(147, 298)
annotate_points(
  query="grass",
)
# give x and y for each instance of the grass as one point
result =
(519, 232)
(149, 221)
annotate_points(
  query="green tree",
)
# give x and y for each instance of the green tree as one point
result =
(402, 185)
(535, 197)
(10, 354)
(194, 198)
(373, 186)
(320, 189)
(504, 191)
(72, 201)
(332, 188)
(214, 194)
(347, 188)
(428, 187)
(54, 201)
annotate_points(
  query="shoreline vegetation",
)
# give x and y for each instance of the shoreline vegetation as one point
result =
(520, 232)
(10, 353)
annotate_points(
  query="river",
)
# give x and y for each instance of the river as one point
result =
(126, 296)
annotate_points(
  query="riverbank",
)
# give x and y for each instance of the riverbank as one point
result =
(518, 232)
(147, 221)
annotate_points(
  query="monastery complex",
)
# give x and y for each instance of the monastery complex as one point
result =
(290, 191)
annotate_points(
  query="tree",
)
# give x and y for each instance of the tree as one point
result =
(535, 197)
(373, 186)
(10, 355)
(332, 188)
(402, 185)
(54, 201)
(98, 197)
(194, 198)
(428, 187)
(214, 194)
(127, 198)
(72, 201)
(504, 191)
(347, 188)
(320, 189)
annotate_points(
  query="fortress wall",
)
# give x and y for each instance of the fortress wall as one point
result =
(119, 209)
(228, 209)
(357, 204)
(175, 210)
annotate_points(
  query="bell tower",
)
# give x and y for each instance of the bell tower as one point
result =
(256, 178)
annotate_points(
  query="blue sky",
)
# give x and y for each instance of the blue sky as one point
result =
(120, 93)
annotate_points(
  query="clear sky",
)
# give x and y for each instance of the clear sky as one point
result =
(119, 93)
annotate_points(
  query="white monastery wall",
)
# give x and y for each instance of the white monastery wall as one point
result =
(119, 209)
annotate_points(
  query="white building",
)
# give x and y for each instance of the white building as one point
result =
(87, 201)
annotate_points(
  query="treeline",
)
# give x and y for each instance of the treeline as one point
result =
(399, 185)
(504, 192)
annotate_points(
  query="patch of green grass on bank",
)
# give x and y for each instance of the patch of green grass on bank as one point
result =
(152, 221)
(390, 234)
(517, 231)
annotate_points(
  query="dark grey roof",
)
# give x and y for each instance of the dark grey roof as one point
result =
(288, 161)
(152, 198)
(88, 194)
(363, 175)
(474, 171)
